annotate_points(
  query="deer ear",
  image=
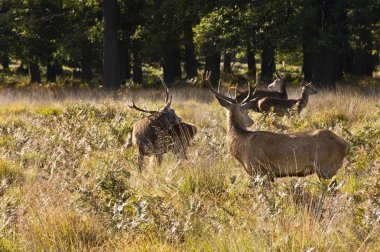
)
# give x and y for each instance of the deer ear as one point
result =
(223, 103)
(278, 76)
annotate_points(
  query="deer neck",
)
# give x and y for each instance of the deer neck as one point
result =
(304, 100)
(235, 123)
(283, 87)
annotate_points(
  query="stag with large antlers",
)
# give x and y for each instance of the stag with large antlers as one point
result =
(279, 155)
(149, 133)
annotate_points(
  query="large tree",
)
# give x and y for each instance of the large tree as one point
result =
(111, 70)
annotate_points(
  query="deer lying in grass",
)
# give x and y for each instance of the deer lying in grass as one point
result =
(279, 155)
(277, 89)
(283, 107)
(150, 134)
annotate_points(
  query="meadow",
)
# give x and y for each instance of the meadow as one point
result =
(68, 180)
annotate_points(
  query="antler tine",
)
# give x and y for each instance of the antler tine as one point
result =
(206, 80)
(166, 89)
(250, 92)
(235, 98)
(140, 109)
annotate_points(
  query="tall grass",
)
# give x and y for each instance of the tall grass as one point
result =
(68, 180)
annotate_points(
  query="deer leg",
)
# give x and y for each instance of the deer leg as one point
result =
(140, 162)
(159, 159)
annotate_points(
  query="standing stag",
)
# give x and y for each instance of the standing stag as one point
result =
(283, 107)
(279, 155)
(149, 134)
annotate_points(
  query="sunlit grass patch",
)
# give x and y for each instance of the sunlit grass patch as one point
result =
(10, 172)
(48, 111)
(328, 119)
(60, 230)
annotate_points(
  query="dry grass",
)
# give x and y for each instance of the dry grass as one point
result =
(69, 182)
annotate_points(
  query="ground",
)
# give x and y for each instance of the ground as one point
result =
(68, 180)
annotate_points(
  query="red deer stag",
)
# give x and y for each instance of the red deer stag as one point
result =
(279, 155)
(283, 107)
(150, 134)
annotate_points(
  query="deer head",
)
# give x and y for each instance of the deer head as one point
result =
(308, 88)
(278, 83)
(166, 111)
(238, 109)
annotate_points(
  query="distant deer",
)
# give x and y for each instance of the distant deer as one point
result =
(150, 134)
(283, 107)
(279, 155)
(277, 89)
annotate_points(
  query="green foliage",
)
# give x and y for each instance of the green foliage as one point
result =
(219, 31)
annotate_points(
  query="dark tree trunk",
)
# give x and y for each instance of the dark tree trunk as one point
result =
(34, 73)
(137, 75)
(111, 71)
(227, 59)
(213, 64)
(326, 67)
(268, 65)
(328, 59)
(86, 61)
(22, 70)
(5, 61)
(376, 59)
(172, 65)
(122, 63)
(51, 73)
(251, 61)
(59, 69)
(127, 58)
(190, 60)
(307, 65)
(359, 62)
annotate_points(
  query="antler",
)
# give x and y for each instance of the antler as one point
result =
(206, 80)
(139, 109)
(278, 75)
(167, 101)
(250, 92)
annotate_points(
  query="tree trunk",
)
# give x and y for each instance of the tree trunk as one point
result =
(307, 65)
(21, 70)
(5, 61)
(328, 59)
(326, 67)
(34, 73)
(127, 58)
(213, 64)
(359, 62)
(59, 69)
(190, 60)
(172, 65)
(227, 59)
(86, 61)
(111, 71)
(137, 75)
(268, 65)
(51, 73)
(251, 60)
